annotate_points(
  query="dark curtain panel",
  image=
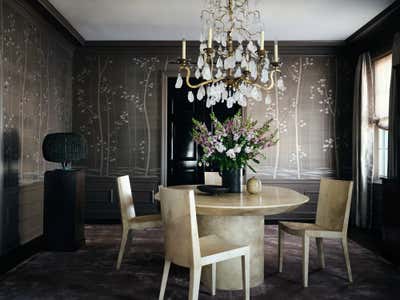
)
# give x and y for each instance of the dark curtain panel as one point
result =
(394, 112)
(362, 141)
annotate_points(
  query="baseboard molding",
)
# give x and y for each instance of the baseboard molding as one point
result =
(13, 258)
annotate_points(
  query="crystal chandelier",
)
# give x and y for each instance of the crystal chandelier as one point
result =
(232, 65)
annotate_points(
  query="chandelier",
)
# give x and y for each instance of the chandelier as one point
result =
(233, 65)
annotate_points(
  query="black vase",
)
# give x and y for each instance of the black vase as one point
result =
(233, 180)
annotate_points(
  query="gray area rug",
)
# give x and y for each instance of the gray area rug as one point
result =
(90, 272)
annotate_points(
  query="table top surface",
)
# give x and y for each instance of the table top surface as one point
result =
(272, 200)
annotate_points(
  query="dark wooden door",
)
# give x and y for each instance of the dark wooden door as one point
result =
(183, 153)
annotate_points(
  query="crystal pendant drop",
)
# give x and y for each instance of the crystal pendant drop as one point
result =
(218, 75)
(229, 63)
(197, 74)
(264, 75)
(238, 73)
(243, 64)
(255, 94)
(238, 53)
(179, 81)
(190, 96)
(266, 63)
(219, 64)
(202, 47)
(229, 102)
(200, 61)
(280, 85)
(253, 69)
(251, 47)
(206, 73)
(201, 92)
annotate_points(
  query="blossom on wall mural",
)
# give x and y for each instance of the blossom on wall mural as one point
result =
(115, 102)
(36, 71)
(306, 132)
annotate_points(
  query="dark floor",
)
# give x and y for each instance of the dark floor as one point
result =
(90, 273)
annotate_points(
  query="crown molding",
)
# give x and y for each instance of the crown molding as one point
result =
(173, 47)
(375, 23)
(57, 19)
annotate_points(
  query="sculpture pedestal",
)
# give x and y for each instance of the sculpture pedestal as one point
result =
(64, 196)
(240, 230)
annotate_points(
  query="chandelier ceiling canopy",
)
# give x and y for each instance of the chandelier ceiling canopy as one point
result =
(233, 65)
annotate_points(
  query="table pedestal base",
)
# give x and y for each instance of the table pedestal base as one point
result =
(240, 230)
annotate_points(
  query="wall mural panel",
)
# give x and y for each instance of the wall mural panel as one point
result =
(304, 115)
(37, 87)
(36, 93)
(117, 108)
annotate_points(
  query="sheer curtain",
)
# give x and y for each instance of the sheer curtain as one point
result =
(394, 112)
(363, 134)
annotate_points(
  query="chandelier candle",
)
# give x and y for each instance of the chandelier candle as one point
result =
(233, 65)
(262, 40)
(183, 49)
(276, 57)
(210, 38)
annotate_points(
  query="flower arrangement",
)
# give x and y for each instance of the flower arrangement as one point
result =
(233, 144)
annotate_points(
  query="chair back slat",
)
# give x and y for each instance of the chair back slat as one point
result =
(125, 199)
(178, 212)
(334, 204)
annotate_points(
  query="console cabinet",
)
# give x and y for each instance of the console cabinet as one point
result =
(102, 202)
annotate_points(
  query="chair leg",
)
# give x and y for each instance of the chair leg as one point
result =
(280, 249)
(320, 248)
(125, 239)
(167, 265)
(213, 278)
(347, 257)
(246, 276)
(306, 254)
(194, 286)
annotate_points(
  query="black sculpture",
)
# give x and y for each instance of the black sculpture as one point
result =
(64, 148)
(64, 192)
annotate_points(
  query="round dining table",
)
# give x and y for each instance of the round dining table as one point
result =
(239, 219)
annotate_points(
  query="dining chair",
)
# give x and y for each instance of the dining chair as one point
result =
(184, 248)
(212, 178)
(331, 223)
(128, 216)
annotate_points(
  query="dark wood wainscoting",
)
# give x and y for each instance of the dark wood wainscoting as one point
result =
(305, 212)
(102, 202)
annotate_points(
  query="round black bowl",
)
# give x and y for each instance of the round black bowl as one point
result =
(213, 189)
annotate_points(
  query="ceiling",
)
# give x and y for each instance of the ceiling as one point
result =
(177, 19)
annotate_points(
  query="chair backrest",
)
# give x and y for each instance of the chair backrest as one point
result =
(334, 204)
(125, 199)
(178, 211)
(212, 178)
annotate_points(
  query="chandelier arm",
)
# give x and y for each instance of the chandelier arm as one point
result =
(195, 86)
(266, 87)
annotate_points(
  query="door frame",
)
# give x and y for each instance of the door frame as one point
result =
(164, 124)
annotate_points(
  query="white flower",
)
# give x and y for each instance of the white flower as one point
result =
(220, 147)
(236, 136)
(231, 153)
(248, 149)
(237, 148)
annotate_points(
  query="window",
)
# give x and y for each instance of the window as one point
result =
(382, 71)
